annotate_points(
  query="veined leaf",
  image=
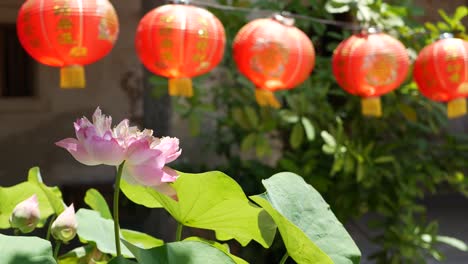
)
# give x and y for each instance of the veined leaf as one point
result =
(25, 250)
(214, 201)
(96, 201)
(222, 247)
(296, 202)
(187, 252)
(49, 198)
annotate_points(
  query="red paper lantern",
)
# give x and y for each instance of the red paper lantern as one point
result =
(274, 55)
(180, 41)
(68, 34)
(441, 72)
(370, 64)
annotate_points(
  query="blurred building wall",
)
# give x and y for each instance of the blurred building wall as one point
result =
(30, 126)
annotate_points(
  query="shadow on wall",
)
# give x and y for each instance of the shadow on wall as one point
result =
(35, 147)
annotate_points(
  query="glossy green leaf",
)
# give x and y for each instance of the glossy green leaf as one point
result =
(49, 198)
(360, 172)
(121, 260)
(453, 242)
(289, 116)
(248, 142)
(299, 246)
(252, 116)
(335, 8)
(241, 119)
(328, 138)
(94, 228)
(297, 136)
(186, 252)
(84, 255)
(460, 13)
(76, 255)
(262, 146)
(53, 194)
(308, 128)
(25, 250)
(96, 201)
(222, 247)
(214, 201)
(303, 206)
(141, 240)
(139, 194)
(408, 112)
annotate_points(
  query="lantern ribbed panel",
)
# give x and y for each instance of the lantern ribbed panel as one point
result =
(272, 55)
(441, 70)
(67, 32)
(370, 65)
(178, 41)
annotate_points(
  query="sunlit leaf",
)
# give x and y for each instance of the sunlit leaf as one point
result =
(296, 206)
(187, 252)
(25, 250)
(214, 201)
(96, 201)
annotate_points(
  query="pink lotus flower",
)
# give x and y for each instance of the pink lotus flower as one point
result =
(94, 144)
(26, 215)
(146, 158)
(65, 226)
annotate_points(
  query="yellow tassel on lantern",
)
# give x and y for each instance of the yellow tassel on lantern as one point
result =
(463, 88)
(456, 108)
(266, 99)
(371, 106)
(72, 77)
(180, 87)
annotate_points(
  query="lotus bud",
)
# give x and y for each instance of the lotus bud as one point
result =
(26, 215)
(64, 227)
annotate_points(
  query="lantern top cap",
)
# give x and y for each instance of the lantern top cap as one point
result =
(183, 2)
(446, 35)
(284, 18)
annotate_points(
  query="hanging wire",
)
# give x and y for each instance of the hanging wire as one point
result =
(347, 25)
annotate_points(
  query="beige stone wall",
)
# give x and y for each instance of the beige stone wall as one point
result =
(29, 127)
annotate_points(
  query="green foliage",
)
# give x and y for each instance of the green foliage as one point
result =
(361, 165)
(229, 213)
(83, 255)
(98, 230)
(452, 24)
(93, 228)
(140, 240)
(54, 196)
(25, 250)
(222, 247)
(301, 206)
(121, 260)
(97, 202)
(50, 198)
(299, 247)
(190, 252)
(139, 195)
(210, 200)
